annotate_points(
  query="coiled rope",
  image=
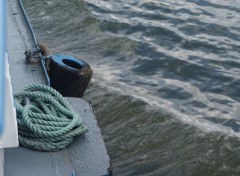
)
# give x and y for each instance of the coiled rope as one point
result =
(48, 122)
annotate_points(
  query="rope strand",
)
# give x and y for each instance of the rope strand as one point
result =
(48, 123)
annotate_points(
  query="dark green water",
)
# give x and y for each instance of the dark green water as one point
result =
(166, 84)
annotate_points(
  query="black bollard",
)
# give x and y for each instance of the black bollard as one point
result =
(68, 75)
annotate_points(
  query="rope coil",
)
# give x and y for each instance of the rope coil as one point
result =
(48, 123)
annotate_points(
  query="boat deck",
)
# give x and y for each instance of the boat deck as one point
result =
(87, 156)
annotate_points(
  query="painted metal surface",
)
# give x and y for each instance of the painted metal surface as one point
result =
(2, 58)
(8, 122)
(59, 58)
(31, 31)
(9, 136)
(87, 156)
(28, 23)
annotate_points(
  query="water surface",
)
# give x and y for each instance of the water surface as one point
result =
(166, 84)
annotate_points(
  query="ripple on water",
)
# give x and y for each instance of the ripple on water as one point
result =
(166, 78)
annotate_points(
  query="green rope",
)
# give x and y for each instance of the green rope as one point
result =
(48, 122)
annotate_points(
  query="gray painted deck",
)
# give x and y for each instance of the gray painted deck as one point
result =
(87, 156)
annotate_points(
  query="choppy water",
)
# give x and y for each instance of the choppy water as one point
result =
(166, 85)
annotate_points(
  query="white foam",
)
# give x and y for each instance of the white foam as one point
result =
(109, 80)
